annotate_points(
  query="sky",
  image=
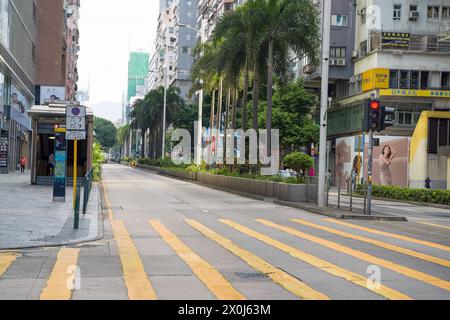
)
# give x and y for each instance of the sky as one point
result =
(108, 32)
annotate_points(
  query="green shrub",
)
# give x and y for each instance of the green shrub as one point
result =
(299, 162)
(98, 160)
(408, 194)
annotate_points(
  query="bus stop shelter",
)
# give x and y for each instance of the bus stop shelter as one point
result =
(45, 121)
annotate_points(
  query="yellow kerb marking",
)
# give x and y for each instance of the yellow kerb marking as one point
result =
(290, 283)
(319, 263)
(434, 281)
(136, 279)
(392, 235)
(60, 280)
(381, 244)
(215, 282)
(108, 203)
(435, 225)
(6, 259)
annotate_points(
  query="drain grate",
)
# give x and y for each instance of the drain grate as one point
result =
(252, 276)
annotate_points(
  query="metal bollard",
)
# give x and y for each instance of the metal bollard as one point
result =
(351, 199)
(76, 224)
(339, 193)
(365, 198)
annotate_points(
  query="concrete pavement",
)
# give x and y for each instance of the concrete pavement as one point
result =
(29, 217)
(169, 239)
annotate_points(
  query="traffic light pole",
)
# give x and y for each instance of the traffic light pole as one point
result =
(370, 175)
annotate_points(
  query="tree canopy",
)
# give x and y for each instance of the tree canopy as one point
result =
(105, 132)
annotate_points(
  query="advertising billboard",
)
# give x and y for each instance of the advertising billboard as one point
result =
(390, 160)
(52, 93)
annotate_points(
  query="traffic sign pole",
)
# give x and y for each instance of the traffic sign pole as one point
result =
(75, 171)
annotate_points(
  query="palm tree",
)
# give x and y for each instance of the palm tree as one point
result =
(292, 26)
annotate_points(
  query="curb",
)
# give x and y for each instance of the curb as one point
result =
(100, 233)
(417, 203)
(299, 205)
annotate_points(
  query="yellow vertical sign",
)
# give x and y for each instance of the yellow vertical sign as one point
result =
(375, 79)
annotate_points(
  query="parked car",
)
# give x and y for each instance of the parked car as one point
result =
(287, 174)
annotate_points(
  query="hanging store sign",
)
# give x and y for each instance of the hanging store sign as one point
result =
(375, 79)
(395, 40)
(3, 152)
(415, 93)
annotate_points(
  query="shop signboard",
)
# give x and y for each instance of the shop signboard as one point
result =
(3, 152)
(59, 179)
(395, 40)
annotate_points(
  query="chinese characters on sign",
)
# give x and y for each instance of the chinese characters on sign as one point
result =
(76, 123)
(395, 40)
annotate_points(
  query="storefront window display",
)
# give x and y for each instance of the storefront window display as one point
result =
(19, 101)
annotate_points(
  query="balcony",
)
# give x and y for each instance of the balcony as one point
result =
(400, 41)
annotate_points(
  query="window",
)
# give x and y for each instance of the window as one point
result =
(397, 12)
(404, 79)
(433, 12)
(393, 79)
(339, 20)
(338, 52)
(363, 48)
(445, 12)
(443, 132)
(185, 50)
(413, 8)
(415, 80)
(445, 82)
(189, 3)
(433, 136)
(171, 30)
(425, 75)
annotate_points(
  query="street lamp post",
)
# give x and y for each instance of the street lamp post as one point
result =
(200, 104)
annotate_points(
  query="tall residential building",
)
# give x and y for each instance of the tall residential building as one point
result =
(172, 59)
(209, 12)
(72, 33)
(401, 57)
(57, 50)
(18, 35)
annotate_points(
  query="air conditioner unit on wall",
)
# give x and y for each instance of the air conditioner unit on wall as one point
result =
(340, 62)
(413, 15)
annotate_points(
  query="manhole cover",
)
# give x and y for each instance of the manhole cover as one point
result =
(252, 276)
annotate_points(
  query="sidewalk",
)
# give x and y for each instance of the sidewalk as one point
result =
(29, 218)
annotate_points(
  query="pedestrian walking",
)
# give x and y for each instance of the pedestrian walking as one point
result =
(23, 164)
(428, 183)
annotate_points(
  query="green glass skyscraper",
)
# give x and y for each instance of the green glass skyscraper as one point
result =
(137, 72)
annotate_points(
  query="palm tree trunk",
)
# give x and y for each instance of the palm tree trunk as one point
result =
(244, 98)
(255, 96)
(227, 119)
(219, 115)
(213, 107)
(269, 99)
(235, 98)
(143, 133)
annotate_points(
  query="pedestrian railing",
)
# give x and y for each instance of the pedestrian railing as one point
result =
(87, 187)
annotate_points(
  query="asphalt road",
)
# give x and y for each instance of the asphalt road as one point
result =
(169, 239)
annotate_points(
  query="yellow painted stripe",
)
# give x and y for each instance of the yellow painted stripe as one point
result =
(411, 273)
(58, 283)
(6, 259)
(107, 202)
(136, 279)
(392, 235)
(435, 225)
(215, 282)
(290, 283)
(319, 263)
(381, 244)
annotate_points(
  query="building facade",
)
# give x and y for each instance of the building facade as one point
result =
(401, 56)
(18, 35)
(57, 50)
(176, 38)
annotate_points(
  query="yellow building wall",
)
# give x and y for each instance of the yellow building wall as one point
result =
(419, 164)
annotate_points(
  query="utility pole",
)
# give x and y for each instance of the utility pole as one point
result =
(326, 25)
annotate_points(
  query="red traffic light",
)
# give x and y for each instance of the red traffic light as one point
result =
(375, 105)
